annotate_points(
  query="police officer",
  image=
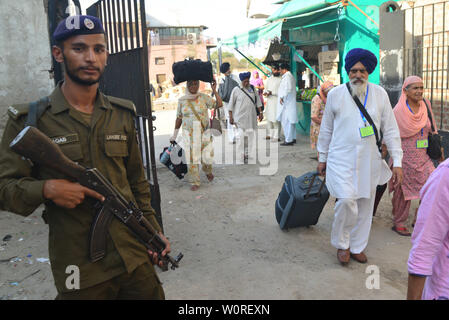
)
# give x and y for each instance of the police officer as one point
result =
(94, 130)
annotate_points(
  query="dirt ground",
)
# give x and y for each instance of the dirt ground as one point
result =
(233, 247)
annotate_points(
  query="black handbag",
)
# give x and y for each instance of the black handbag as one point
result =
(434, 145)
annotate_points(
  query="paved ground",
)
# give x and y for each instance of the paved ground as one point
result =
(233, 247)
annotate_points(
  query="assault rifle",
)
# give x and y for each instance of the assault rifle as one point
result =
(36, 146)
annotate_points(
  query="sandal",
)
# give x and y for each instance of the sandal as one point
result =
(402, 231)
(194, 188)
(210, 177)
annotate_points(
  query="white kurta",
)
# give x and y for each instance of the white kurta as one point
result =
(354, 164)
(272, 84)
(243, 108)
(287, 92)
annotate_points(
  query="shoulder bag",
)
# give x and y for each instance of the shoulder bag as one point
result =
(214, 122)
(434, 146)
(255, 97)
(367, 116)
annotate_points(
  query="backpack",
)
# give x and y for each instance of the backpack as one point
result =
(225, 88)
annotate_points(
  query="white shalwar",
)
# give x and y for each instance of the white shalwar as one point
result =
(245, 116)
(272, 85)
(287, 112)
(354, 166)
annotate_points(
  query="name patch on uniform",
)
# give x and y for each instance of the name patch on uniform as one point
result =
(65, 139)
(116, 137)
(13, 110)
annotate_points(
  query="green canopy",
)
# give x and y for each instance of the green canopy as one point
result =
(296, 7)
(265, 32)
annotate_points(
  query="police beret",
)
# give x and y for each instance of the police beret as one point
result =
(77, 25)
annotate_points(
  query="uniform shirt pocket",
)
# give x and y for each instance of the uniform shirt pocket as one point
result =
(70, 146)
(115, 145)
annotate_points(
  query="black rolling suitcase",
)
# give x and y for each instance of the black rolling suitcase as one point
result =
(174, 152)
(301, 201)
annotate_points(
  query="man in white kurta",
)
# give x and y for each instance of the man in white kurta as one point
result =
(242, 112)
(287, 112)
(352, 163)
(271, 92)
(225, 68)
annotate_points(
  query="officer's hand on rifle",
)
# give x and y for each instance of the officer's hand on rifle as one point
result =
(153, 255)
(68, 194)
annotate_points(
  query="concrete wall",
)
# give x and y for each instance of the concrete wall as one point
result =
(172, 54)
(24, 53)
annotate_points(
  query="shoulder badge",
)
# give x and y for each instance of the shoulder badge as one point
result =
(127, 104)
(16, 111)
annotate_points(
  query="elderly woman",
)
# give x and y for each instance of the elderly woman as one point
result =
(317, 111)
(193, 115)
(414, 126)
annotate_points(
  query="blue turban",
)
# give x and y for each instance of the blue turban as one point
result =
(224, 67)
(244, 75)
(77, 25)
(367, 58)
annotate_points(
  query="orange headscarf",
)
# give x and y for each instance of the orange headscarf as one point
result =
(410, 123)
(325, 86)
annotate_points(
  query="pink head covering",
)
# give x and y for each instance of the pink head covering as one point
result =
(410, 123)
(325, 86)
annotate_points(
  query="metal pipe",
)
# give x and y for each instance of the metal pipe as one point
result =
(303, 60)
(131, 32)
(137, 24)
(251, 61)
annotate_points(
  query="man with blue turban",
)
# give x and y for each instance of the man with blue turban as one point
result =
(243, 106)
(349, 153)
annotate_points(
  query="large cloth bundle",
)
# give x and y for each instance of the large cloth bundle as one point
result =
(301, 201)
(192, 70)
(174, 159)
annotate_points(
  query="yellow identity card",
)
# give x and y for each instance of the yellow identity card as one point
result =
(366, 131)
(422, 144)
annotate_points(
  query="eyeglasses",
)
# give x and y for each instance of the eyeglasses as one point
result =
(354, 71)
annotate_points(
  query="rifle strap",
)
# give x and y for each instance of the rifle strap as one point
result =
(36, 110)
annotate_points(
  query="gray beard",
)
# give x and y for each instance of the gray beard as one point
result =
(359, 90)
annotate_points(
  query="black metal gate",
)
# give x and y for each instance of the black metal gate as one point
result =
(426, 54)
(426, 44)
(127, 74)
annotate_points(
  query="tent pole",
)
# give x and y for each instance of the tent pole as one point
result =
(251, 62)
(303, 60)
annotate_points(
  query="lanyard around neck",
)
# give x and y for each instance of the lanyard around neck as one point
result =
(364, 105)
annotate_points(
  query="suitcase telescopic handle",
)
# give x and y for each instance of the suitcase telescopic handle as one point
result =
(311, 185)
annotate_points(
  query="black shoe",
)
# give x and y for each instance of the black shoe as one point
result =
(287, 144)
(294, 140)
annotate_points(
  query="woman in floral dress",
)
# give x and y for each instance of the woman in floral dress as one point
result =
(193, 115)
(317, 111)
(414, 125)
